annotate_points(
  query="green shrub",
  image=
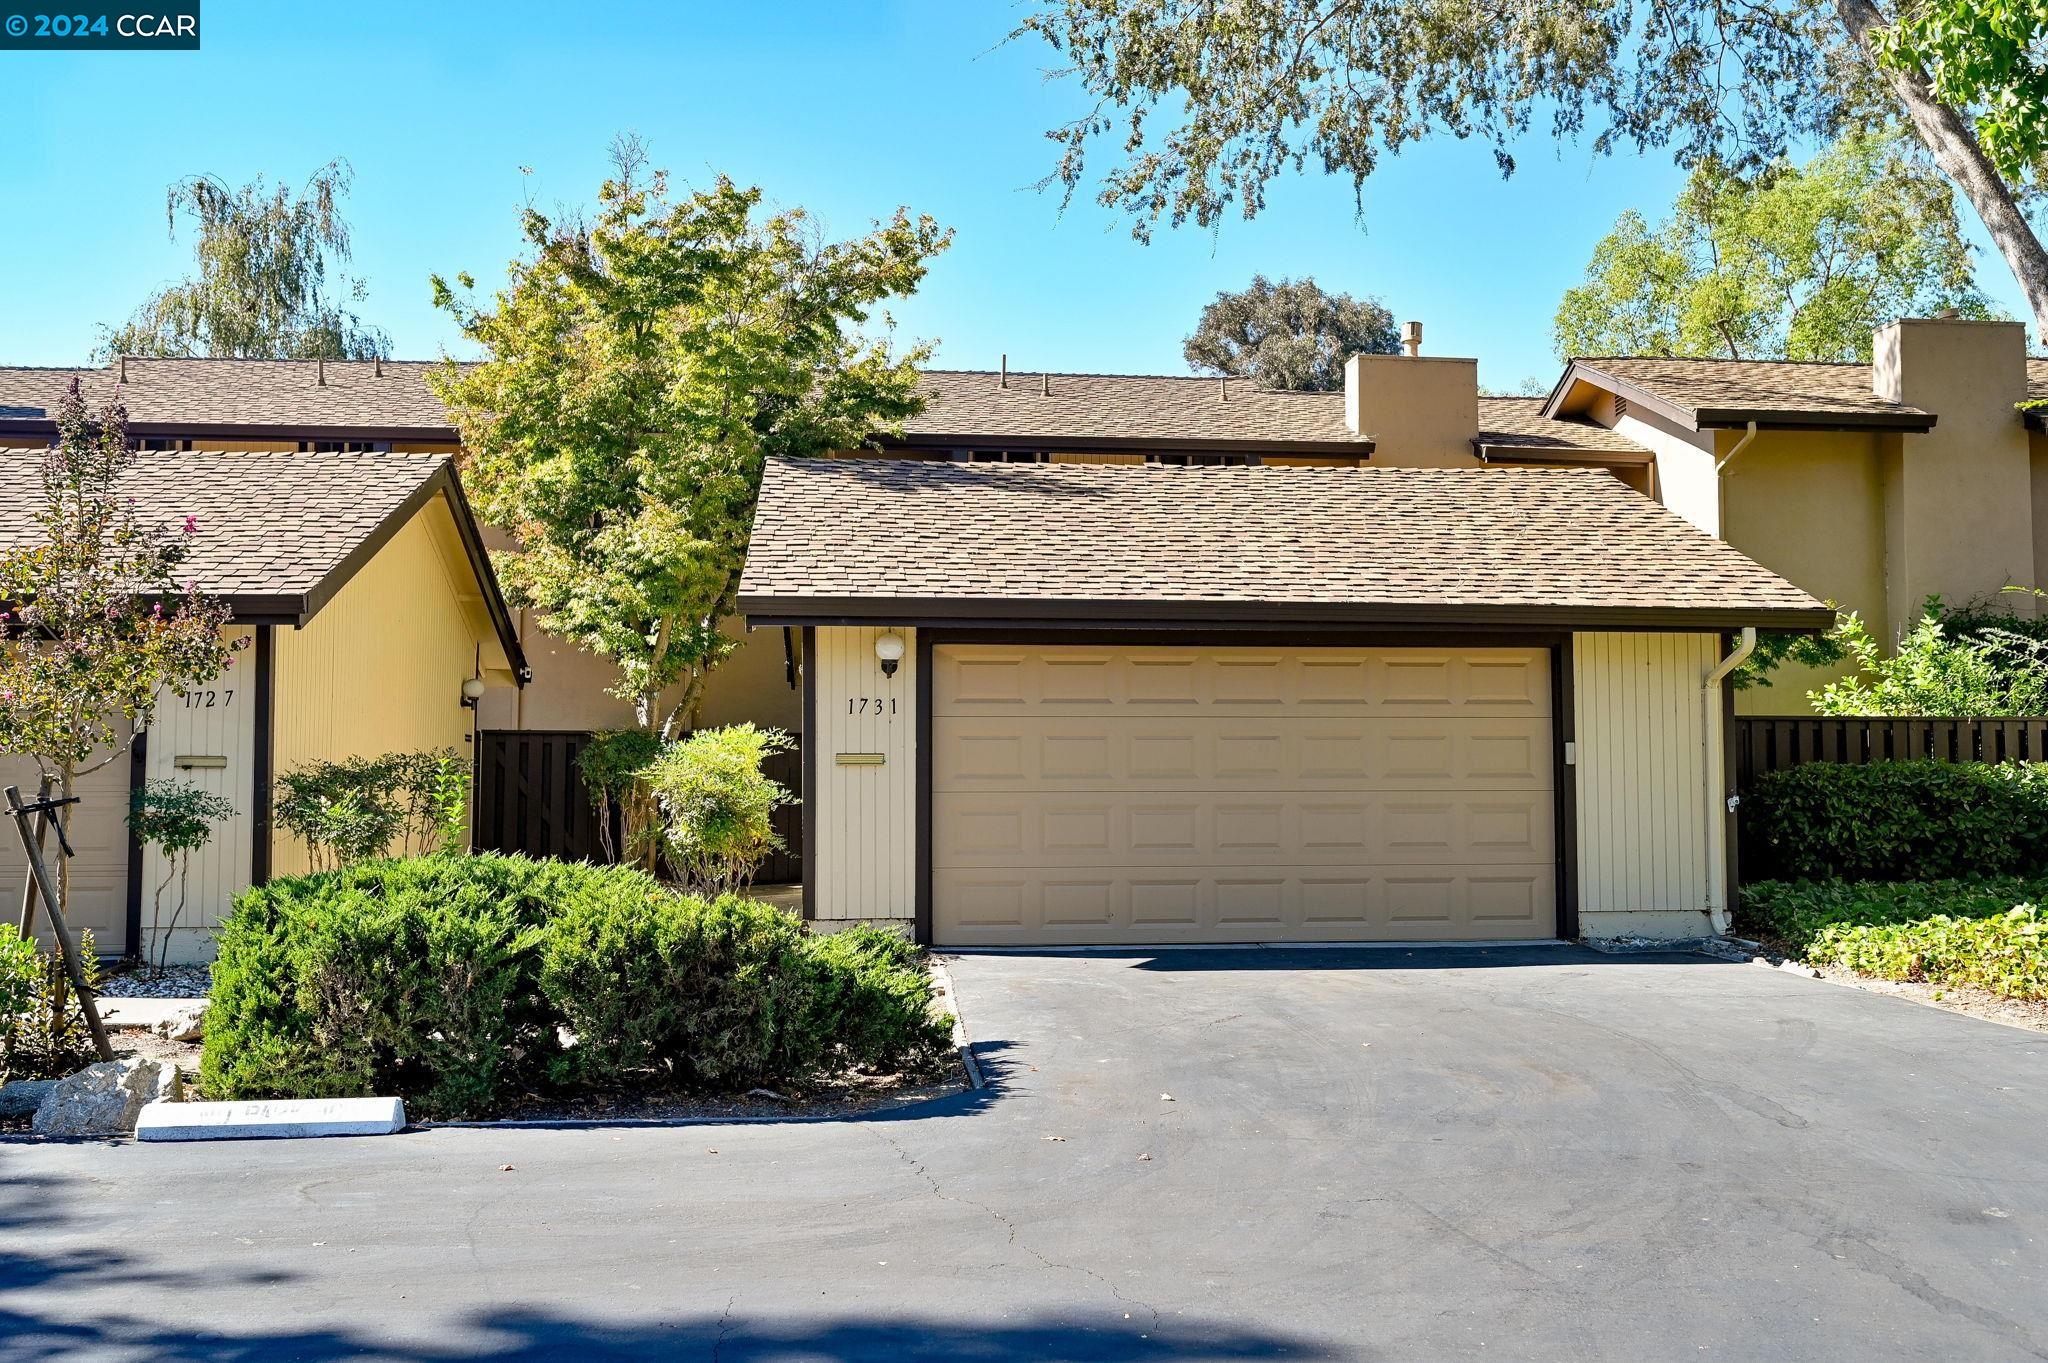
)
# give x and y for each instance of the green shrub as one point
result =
(1914, 820)
(1985, 933)
(717, 808)
(453, 982)
(2006, 954)
(43, 1034)
(1793, 913)
(353, 809)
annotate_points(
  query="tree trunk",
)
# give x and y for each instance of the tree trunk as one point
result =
(1952, 143)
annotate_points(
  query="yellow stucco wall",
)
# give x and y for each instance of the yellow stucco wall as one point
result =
(380, 668)
(1809, 505)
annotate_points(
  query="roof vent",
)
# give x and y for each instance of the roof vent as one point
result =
(320, 371)
(1411, 338)
(376, 366)
(1045, 385)
(1223, 387)
(123, 378)
(1003, 378)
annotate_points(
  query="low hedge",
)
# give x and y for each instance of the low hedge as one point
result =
(463, 983)
(1912, 820)
(1983, 933)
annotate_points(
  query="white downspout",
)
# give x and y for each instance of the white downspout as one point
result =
(1711, 761)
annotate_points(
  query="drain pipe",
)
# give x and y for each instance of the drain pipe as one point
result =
(1710, 700)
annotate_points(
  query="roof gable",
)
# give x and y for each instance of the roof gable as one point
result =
(277, 533)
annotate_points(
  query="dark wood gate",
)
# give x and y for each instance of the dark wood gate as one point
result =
(530, 798)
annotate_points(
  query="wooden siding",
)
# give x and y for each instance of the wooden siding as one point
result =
(863, 817)
(1646, 842)
(380, 668)
(213, 722)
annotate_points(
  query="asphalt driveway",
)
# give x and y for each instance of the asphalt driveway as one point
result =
(1367, 1153)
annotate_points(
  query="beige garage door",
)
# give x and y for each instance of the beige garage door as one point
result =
(1149, 795)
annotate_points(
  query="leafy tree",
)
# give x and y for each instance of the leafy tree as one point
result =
(1933, 673)
(95, 627)
(176, 818)
(638, 370)
(1795, 263)
(269, 284)
(1290, 335)
(1208, 103)
(1984, 56)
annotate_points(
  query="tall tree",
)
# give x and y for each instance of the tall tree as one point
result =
(95, 626)
(270, 284)
(637, 371)
(1794, 263)
(1210, 102)
(1291, 334)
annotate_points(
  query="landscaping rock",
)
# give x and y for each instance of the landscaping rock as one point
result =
(104, 1099)
(185, 1023)
(22, 1097)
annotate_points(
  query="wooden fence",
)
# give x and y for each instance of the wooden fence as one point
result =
(1766, 743)
(530, 798)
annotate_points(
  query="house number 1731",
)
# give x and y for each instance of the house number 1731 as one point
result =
(870, 705)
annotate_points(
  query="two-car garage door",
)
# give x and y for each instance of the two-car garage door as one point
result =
(1144, 794)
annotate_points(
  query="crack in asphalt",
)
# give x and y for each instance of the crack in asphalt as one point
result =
(918, 1168)
(724, 1329)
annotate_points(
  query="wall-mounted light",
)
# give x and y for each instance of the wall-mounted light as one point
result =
(889, 648)
(472, 692)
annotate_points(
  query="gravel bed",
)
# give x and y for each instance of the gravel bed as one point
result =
(178, 982)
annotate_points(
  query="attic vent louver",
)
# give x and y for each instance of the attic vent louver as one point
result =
(1620, 408)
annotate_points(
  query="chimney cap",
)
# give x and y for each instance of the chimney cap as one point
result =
(1411, 338)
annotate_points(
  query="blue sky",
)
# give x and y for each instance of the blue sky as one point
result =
(846, 109)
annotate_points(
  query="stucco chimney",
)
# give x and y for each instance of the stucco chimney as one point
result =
(1422, 411)
(1958, 499)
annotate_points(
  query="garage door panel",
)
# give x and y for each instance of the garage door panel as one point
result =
(1162, 905)
(1034, 752)
(1080, 679)
(984, 830)
(1111, 794)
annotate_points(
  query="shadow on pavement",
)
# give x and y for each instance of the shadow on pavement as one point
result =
(1514, 955)
(527, 1336)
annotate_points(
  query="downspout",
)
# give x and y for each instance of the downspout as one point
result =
(1711, 761)
(1729, 457)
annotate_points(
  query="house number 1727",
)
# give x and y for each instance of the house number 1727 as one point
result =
(870, 705)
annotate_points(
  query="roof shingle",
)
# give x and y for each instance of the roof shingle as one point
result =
(1519, 423)
(211, 395)
(902, 539)
(270, 525)
(1708, 391)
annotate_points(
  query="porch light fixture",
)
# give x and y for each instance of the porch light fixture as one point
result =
(472, 692)
(889, 648)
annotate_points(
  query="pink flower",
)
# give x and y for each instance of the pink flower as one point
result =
(191, 525)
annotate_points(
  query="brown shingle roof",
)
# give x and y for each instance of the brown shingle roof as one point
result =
(895, 539)
(1702, 393)
(201, 398)
(1085, 408)
(213, 397)
(2037, 379)
(277, 534)
(1519, 424)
